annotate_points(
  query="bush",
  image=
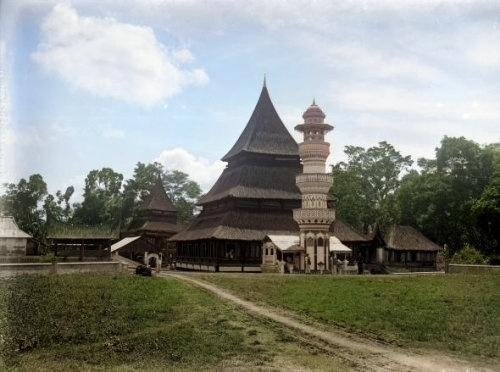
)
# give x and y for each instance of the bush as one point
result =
(469, 255)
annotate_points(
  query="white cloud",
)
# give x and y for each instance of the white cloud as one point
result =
(111, 59)
(112, 133)
(431, 105)
(199, 169)
(183, 56)
(484, 49)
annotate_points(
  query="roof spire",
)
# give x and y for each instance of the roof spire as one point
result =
(314, 101)
(264, 84)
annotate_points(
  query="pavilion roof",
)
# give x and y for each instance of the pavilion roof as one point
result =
(158, 199)
(407, 238)
(264, 133)
(9, 228)
(81, 232)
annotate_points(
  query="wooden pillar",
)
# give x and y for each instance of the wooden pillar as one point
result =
(81, 251)
(315, 254)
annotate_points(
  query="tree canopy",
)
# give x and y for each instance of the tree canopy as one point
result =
(453, 199)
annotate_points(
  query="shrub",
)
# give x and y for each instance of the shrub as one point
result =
(469, 255)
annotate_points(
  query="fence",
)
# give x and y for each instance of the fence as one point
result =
(11, 269)
(473, 269)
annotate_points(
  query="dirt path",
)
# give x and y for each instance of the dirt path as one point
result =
(362, 353)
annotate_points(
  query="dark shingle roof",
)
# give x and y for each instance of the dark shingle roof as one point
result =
(239, 225)
(158, 199)
(158, 227)
(265, 133)
(255, 182)
(406, 238)
(254, 225)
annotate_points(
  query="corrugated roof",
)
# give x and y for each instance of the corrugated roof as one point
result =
(337, 246)
(286, 242)
(407, 238)
(9, 229)
(158, 199)
(124, 242)
(265, 133)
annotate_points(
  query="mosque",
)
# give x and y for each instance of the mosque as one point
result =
(271, 206)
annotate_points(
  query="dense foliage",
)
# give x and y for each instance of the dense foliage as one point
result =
(107, 200)
(453, 199)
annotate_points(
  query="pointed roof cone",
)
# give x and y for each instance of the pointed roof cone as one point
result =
(158, 199)
(265, 133)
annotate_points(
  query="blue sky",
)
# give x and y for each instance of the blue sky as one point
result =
(87, 84)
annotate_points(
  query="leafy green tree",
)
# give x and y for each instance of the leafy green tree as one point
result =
(439, 201)
(469, 255)
(183, 192)
(486, 211)
(364, 186)
(22, 200)
(57, 208)
(138, 187)
(102, 199)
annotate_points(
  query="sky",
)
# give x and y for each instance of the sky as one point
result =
(100, 83)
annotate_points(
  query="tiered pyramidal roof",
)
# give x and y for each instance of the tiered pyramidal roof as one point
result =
(256, 193)
(158, 200)
(265, 133)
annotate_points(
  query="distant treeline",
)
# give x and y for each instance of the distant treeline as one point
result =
(453, 199)
(108, 201)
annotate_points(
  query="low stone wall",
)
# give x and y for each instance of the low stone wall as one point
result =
(473, 269)
(10, 269)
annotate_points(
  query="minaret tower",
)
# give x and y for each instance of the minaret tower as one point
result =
(314, 218)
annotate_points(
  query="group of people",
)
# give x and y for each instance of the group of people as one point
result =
(337, 266)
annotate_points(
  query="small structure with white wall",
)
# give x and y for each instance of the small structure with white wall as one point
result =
(13, 240)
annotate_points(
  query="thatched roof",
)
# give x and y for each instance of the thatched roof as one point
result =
(254, 225)
(265, 133)
(255, 182)
(406, 238)
(345, 232)
(81, 232)
(239, 225)
(158, 199)
(9, 229)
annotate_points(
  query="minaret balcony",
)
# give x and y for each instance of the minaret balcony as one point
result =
(314, 216)
(314, 183)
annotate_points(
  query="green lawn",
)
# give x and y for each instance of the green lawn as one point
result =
(87, 322)
(457, 313)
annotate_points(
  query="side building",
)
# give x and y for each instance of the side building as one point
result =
(146, 239)
(254, 197)
(13, 241)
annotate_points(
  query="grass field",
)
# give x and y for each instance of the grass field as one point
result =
(88, 322)
(453, 313)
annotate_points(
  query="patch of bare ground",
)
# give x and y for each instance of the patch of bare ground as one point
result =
(356, 353)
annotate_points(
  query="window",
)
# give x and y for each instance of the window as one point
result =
(320, 242)
(267, 252)
(272, 251)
